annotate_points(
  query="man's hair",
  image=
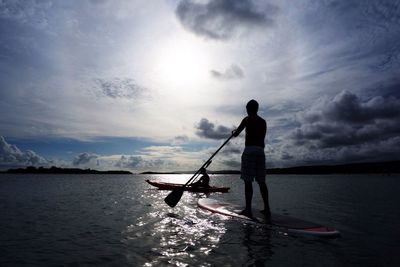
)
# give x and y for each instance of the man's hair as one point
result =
(252, 106)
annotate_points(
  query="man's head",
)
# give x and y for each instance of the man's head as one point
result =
(252, 107)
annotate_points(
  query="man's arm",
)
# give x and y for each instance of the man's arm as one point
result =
(240, 128)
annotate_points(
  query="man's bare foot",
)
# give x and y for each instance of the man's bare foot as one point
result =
(267, 214)
(246, 213)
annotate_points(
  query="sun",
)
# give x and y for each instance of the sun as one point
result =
(182, 61)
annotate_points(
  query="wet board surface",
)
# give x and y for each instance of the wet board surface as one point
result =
(290, 224)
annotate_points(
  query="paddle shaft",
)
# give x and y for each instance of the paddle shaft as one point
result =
(205, 163)
(173, 198)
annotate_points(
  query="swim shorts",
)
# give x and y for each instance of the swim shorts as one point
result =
(253, 164)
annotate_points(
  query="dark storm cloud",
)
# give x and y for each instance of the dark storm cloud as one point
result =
(231, 73)
(347, 107)
(84, 158)
(12, 156)
(119, 88)
(222, 19)
(349, 128)
(208, 130)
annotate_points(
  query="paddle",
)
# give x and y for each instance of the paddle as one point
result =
(173, 198)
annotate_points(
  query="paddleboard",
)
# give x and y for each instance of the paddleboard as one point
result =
(287, 223)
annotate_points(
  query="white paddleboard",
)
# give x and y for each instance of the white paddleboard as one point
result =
(288, 223)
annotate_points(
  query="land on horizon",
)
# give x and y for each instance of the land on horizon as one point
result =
(57, 170)
(386, 167)
(353, 168)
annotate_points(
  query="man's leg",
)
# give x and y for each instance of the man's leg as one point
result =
(264, 194)
(249, 194)
(248, 190)
(247, 174)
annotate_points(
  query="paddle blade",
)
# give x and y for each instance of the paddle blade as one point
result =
(173, 198)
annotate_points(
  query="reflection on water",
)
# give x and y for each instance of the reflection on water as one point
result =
(181, 236)
(258, 245)
(189, 236)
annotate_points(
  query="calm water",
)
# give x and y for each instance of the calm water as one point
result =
(73, 220)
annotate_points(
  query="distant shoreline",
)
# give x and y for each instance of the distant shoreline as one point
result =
(56, 170)
(387, 167)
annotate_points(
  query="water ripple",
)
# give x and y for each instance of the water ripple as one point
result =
(182, 235)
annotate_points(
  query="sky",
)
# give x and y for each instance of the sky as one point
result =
(159, 85)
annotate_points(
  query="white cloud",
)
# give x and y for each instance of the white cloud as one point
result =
(232, 73)
(119, 88)
(84, 159)
(173, 158)
(11, 156)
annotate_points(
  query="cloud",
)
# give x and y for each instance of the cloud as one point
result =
(346, 120)
(12, 156)
(119, 88)
(180, 140)
(232, 163)
(208, 130)
(229, 157)
(347, 128)
(140, 163)
(130, 162)
(155, 158)
(223, 19)
(231, 73)
(166, 152)
(28, 12)
(233, 149)
(84, 158)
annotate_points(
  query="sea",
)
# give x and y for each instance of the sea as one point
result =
(120, 220)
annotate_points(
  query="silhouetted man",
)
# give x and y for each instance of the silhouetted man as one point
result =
(253, 157)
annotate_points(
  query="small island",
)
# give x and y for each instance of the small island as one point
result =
(57, 170)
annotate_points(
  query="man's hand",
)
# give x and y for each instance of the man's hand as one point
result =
(233, 133)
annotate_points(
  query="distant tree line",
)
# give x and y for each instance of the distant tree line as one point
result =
(355, 168)
(387, 167)
(56, 170)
